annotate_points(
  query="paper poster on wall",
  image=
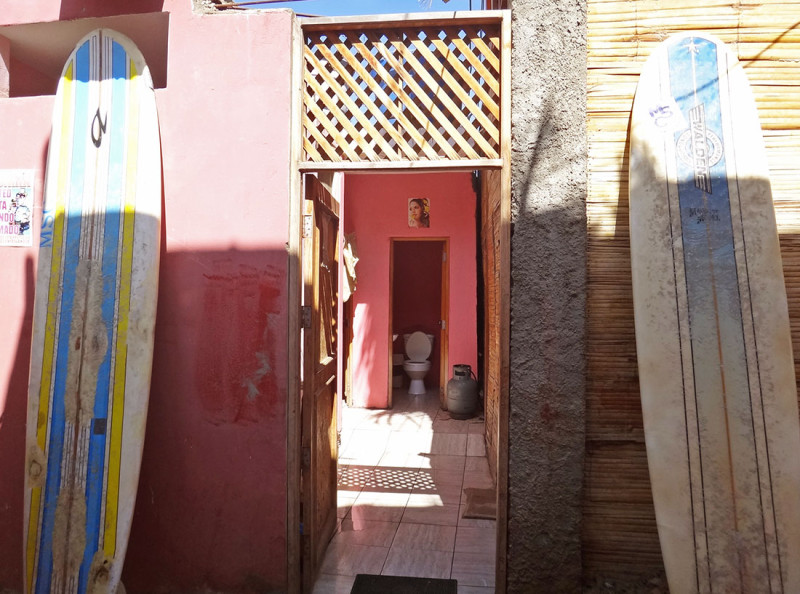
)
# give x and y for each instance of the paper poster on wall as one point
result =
(419, 212)
(16, 207)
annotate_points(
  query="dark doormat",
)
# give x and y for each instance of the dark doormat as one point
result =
(394, 584)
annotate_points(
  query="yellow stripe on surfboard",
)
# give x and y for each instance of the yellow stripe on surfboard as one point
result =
(57, 254)
(126, 264)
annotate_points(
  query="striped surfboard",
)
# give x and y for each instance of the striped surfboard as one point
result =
(94, 317)
(714, 348)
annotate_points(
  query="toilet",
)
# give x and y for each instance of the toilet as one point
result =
(418, 349)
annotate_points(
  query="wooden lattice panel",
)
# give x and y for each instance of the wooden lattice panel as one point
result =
(424, 92)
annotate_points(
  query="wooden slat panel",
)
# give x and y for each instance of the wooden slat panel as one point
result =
(416, 91)
(620, 539)
(491, 223)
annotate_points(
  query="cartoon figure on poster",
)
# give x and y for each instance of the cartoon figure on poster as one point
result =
(419, 213)
(16, 208)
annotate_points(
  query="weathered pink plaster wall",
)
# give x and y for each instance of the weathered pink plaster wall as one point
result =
(212, 496)
(377, 210)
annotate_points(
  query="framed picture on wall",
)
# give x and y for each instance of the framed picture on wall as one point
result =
(419, 213)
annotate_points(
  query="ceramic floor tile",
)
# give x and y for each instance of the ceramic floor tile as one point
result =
(382, 498)
(439, 477)
(442, 462)
(478, 479)
(344, 501)
(400, 497)
(446, 493)
(476, 446)
(471, 539)
(477, 427)
(432, 499)
(442, 425)
(392, 480)
(473, 569)
(375, 513)
(350, 559)
(449, 444)
(474, 522)
(402, 460)
(366, 532)
(334, 584)
(353, 477)
(444, 515)
(384, 507)
(410, 443)
(418, 563)
(477, 464)
(427, 537)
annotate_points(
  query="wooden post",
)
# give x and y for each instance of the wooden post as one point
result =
(504, 258)
(293, 446)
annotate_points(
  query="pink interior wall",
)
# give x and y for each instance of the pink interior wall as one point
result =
(212, 495)
(377, 210)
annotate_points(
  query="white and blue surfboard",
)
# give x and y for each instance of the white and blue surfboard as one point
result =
(714, 349)
(94, 318)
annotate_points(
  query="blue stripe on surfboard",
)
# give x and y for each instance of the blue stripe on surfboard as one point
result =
(98, 438)
(71, 252)
(717, 335)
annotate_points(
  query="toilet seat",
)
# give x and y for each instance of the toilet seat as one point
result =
(418, 347)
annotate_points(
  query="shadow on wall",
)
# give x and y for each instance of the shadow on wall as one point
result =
(215, 448)
(78, 9)
(215, 452)
(12, 444)
(547, 355)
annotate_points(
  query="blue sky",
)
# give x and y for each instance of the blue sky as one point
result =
(353, 7)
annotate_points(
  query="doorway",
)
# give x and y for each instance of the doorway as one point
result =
(418, 294)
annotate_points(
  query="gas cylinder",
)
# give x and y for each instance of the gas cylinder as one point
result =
(462, 393)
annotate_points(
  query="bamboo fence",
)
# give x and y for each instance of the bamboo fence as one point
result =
(620, 540)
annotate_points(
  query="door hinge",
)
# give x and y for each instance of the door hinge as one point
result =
(306, 317)
(444, 256)
(308, 225)
(306, 458)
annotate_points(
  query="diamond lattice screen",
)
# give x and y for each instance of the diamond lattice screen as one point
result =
(422, 93)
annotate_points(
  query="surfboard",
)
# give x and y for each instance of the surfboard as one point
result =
(714, 349)
(94, 317)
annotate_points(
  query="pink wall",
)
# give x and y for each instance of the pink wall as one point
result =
(212, 494)
(376, 210)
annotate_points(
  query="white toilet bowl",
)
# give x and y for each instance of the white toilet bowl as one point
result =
(418, 349)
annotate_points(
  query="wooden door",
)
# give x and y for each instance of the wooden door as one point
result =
(319, 393)
(444, 325)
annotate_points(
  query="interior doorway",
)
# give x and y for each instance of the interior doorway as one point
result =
(419, 303)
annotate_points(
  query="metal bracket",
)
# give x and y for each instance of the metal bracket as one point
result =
(306, 311)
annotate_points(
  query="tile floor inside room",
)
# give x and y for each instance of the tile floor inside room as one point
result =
(402, 473)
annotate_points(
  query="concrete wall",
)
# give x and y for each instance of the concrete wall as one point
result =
(376, 209)
(212, 494)
(547, 385)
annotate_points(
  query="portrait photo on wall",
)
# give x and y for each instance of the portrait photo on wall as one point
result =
(419, 212)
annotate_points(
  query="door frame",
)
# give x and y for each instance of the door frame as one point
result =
(294, 293)
(444, 313)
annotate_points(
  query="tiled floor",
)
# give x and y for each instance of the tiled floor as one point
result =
(402, 472)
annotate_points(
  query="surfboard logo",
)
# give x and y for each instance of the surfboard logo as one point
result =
(99, 124)
(699, 148)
